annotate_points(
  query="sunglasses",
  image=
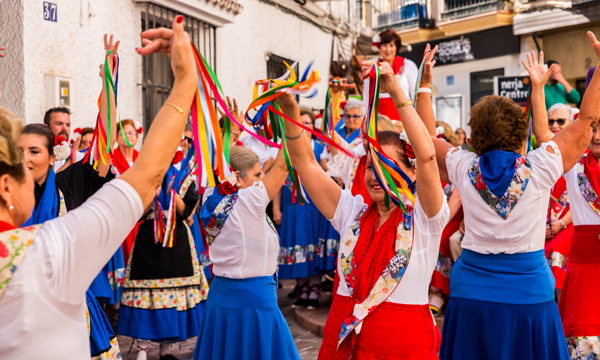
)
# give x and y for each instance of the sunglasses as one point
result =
(188, 139)
(353, 117)
(560, 122)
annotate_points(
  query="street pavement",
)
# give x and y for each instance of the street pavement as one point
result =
(307, 343)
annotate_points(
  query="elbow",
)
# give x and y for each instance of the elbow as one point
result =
(426, 157)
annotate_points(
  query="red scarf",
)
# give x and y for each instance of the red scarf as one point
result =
(592, 172)
(398, 65)
(6, 226)
(358, 185)
(557, 192)
(119, 161)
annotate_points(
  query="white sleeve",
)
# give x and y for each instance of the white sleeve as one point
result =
(548, 167)
(77, 245)
(456, 158)
(253, 200)
(365, 94)
(346, 211)
(434, 225)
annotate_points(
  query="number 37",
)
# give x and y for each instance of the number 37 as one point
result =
(50, 11)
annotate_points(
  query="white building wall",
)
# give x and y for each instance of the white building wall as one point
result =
(73, 47)
(12, 81)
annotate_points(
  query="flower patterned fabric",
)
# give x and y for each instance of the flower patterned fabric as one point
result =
(114, 353)
(585, 186)
(219, 217)
(502, 205)
(584, 347)
(13, 247)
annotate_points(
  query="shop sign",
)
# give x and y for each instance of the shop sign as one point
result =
(515, 88)
(454, 51)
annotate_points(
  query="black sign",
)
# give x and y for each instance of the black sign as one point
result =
(515, 88)
(474, 46)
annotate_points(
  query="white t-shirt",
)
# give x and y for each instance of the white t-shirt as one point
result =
(263, 152)
(414, 286)
(247, 246)
(525, 228)
(42, 311)
(581, 211)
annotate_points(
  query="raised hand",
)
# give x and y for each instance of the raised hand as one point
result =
(427, 77)
(234, 110)
(338, 85)
(173, 42)
(592, 37)
(537, 74)
(387, 77)
(1, 49)
(111, 50)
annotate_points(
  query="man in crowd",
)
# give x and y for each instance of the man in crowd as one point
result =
(558, 90)
(58, 119)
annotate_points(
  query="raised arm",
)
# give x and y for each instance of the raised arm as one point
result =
(428, 177)
(276, 177)
(146, 174)
(538, 77)
(574, 139)
(321, 188)
(108, 46)
(424, 105)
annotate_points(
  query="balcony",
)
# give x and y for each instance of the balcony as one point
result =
(456, 9)
(400, 14)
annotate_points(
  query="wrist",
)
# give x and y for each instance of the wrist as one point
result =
(425, 84)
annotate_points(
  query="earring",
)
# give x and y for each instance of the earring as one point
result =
(11, 207)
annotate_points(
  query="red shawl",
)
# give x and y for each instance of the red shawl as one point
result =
(557, 192)
(119, 161)
(6, 226)
(398, 65)
(358, 185)
(592, 172)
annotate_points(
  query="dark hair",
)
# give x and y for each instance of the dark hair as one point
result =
(43, 131)
(87, 130)
(389, 36)
(392, 138)
(497, 123)
(11, 158)
(551, 62)
(312, 116)
(49, 113)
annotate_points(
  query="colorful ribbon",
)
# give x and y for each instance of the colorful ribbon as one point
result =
(419, 77)
(331, 113)
(390, 177)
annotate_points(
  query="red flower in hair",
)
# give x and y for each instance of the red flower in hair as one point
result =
(58, 140)
(408, 151)
(177, 158)
(79, 131)
(140, 130)
(225, 188)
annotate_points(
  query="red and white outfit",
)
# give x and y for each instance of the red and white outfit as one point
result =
(578, 303)
(399, 325)
(406, 74)
(557, 248)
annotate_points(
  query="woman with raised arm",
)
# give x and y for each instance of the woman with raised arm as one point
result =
(502, 290)
(578, 304)
(46, 269)
(380, 290)
(242, 319)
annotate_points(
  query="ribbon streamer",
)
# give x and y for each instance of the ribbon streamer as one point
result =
(419, 77)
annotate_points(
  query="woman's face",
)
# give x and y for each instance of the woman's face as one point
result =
(373, 187)
(252, 175)
(559, 119)
(307, 121)
(130, 133)
(595, 142)
(21, 197)
(187, 140)
(37, 159)
(352, 119)
(461, 135)
(388, 51)
(86, 140)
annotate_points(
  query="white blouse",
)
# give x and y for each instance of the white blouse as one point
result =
(581, 211)
(247, 246)
(44, 304)
(406, 80)
(525, 228)
(414, 286)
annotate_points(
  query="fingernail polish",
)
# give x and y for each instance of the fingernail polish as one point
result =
(179, 19)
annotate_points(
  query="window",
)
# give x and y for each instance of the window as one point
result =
(157, 75)
(276, 68)
(482, 84)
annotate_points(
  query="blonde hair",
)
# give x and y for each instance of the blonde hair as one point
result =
(242, 159)
(449, 134)
(11, 158)
(384, 123)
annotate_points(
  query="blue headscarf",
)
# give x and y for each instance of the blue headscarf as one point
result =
(49, 204)
(497, 170)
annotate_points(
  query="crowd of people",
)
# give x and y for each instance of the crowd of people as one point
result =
(500, 237)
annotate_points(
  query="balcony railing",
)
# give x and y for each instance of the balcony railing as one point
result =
(399, 14)
(455, 9)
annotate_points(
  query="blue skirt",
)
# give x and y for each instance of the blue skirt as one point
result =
(308, 242)
(200, 249)
(243, 322)
(109, 282)
(101, 332)
(502, 308)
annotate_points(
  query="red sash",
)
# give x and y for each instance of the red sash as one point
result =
(592, 172)
(398, 65)
(557, 192)
(120, 162)
(358, 185)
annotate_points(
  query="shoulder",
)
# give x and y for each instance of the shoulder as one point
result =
(409, 64)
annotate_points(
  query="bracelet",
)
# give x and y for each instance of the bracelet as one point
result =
(176, 108)
(424, 90)
(296, 137)
(563, 224)
(403, 104)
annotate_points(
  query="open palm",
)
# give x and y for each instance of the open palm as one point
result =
(537, 73)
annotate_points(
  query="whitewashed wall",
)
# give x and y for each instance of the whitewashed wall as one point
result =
(12, 80)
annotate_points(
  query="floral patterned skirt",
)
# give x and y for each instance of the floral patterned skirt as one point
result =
(391, 332)
(441, 275)
(557, 252)
(579, 299)
(103, 342)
